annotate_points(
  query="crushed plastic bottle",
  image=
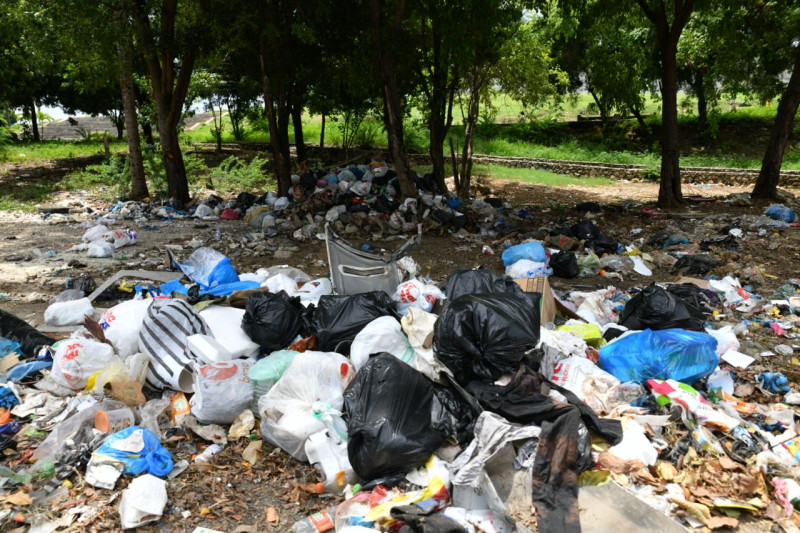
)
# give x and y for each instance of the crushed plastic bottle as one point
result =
(316, 523)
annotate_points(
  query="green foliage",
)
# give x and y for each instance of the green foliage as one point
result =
(235, 174)
(115, 171)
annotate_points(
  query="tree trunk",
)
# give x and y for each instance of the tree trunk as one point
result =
(669, 193)
(138, 183)
(119, 123)
(299, 142)
(767, 183)
(147, 131)
(648, 139)
(702, 103)
(603, 115)
(282, 165)
(173, 161)
(392, 114)
(34, 123)
(322, 134)
(470, 123)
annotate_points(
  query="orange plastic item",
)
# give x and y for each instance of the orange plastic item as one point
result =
(101, 422)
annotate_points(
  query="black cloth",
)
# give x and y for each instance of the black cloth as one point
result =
(558, 459)
(417, 520)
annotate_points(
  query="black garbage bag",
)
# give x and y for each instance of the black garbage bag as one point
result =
(17, 330)
(603, 244)
(395, 421)
(419, 520)
(657, 309)
(585, 230)
(592, 207)
(82, 283)
(482, 336)
(564, 265)
(477, 280)
(695, 264)
(338, 319)
(245, 200)
(691, 294)
(273, 320)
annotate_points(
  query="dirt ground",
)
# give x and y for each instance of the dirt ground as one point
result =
(231, 493)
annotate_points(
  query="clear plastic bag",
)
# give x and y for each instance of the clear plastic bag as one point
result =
(221, 391)
(383, 334)
(69, 313)
(308, 398)
(76, 360)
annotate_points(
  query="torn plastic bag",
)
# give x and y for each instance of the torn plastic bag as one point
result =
(477, 281)
(483, 336)
(564, 265)
(208, 268)
(685, 356)
(338, 319)
(655, 308)
(164, 333)
(273, 320)
(395, 421)
(306, 399)
(139, 449)
(355, 271)
(221, 391)
(17, 330)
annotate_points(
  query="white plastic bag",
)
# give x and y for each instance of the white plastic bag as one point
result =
(571, 372)
(384, 334)
(120, 238)
(281, 282)
(726, 339)
(307, 399)
(313, 290)
(68, 313)
(100, 248)
(94, 233)
(415, 293)
(221, 391)
(525, 268)
(76, 360)
(122, 324)
(226, 327)
(143, 501)
(635, 445)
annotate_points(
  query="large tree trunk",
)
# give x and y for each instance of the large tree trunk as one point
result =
(138, 183)
(470, 123)
(168, 90)
(297, 123)
(34, 122)
(669, 193)
(147, 131)
(767, 183)
(322, 134)
(173, 162)
(281, 157)
(392, 114)
(699, 87)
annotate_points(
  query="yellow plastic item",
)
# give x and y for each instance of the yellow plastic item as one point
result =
(588, 332)
(382, 512)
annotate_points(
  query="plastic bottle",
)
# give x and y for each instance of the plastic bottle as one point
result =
(316, 523)
(330, 459)
(208, 454)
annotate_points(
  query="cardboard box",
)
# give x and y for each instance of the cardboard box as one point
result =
(548, 304)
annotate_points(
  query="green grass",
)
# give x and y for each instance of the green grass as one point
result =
(540, 177)
(49, 150)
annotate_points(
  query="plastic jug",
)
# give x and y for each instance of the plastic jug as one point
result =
(330, 459)
(314, 289)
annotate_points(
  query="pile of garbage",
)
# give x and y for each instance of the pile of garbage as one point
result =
(481, 403)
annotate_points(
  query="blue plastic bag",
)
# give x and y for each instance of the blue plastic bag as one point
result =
(678, 354)
(139, 449)
(529, 250)
(224, 289)
(781, 212)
